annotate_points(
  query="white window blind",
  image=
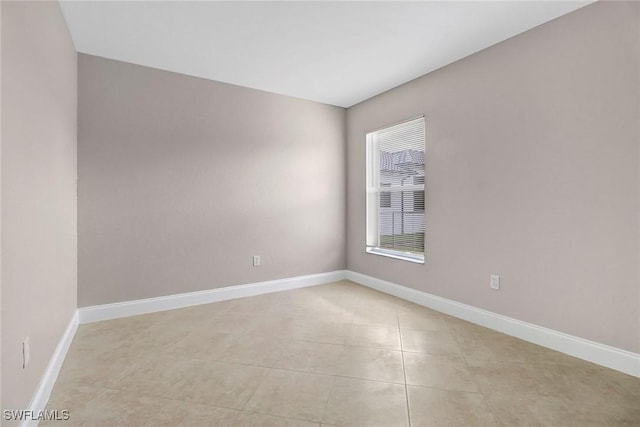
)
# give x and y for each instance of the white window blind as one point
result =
(395, 190)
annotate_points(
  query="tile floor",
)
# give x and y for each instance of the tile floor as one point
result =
(337, 354)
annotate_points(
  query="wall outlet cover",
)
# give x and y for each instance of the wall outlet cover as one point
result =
(494, 282)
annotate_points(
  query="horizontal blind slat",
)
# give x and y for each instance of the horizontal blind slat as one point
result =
(400, 183)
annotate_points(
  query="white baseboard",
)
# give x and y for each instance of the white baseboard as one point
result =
(48, 380)
(170, 302)
(601, 354)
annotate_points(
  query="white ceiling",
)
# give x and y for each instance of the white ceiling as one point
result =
(338, 53)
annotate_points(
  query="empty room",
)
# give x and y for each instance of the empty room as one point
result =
(344, 213)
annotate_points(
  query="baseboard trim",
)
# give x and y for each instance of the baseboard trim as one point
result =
(48, 380)
(170, 302)
(601, 354)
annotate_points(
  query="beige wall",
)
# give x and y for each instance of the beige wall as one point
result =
(532, 173)
(39, 99)
(183, 180)
(1, 407)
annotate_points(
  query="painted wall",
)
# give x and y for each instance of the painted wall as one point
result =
(532, 173)
(182, 180)
(1, 207)
(39, 250)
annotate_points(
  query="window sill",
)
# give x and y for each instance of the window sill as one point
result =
(405, 256)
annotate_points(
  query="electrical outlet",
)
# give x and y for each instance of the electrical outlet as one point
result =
(256, 261)
(494, 282)
(25, 352)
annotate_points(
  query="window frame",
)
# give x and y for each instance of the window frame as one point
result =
(373, 198)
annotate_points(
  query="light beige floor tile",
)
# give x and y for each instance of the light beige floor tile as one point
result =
(338, 314)
(298, 395)
(503, 376)
(273, 325)
(125, 339)
(318, 331)
(340, 295)
(355, 402)
(262, 304)
(572, 383)
(246, 419)
(584, 385)
(196, 415)
(514, 408)
(433, 407)
(313, 309)
(466, 329)
(422, 319)
(94, 339)
(342, 307)
(373, 336)
(87, 367)
(233, 323)
(185, 318)
(365, 315)
(628, 382)
(150, 332)
(254, 349)
(610, 414)
(444, 372)
(213, 383)
(500, 347)
(122, 327)
(202, 344)
(151, 344)
(408, 306)
(430, 342)
(154, 341)
(370, 364)
(301, 310)
(374, 300)
(310, 356)
(121, 408)
(528, 407)
(72, 396)
(177, 324)
(399, 305)
(483, 343)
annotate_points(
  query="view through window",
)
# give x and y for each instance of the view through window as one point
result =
(395, 190)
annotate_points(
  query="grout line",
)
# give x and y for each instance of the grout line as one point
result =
(444, 389)
(354, 346)
(241, 411)
(326, 402)
(473, 378)
(279, 368)
(256, 389)
(404, 371)
(159, 396)
(299, 370)
(490, 409)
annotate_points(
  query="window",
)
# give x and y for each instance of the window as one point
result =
(395, 191)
